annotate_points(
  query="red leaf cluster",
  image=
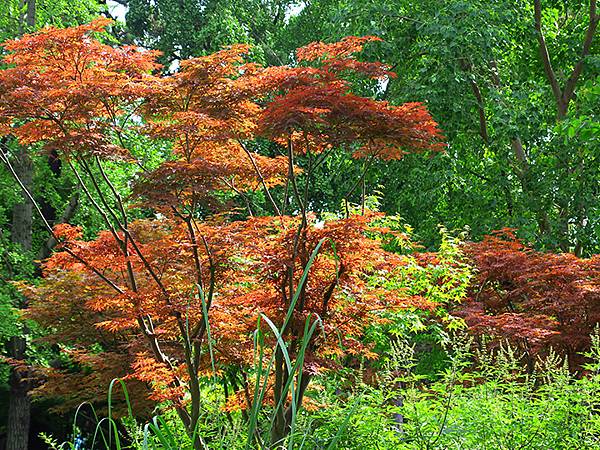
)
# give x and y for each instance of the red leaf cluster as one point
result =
(533, 298)
(315, 108)
(66, 89)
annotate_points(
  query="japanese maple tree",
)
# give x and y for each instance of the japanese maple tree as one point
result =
(177, 297)
(534, 299)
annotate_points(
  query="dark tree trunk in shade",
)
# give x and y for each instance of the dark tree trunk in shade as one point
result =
(19, 405)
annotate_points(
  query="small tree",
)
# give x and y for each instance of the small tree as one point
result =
(178, 295)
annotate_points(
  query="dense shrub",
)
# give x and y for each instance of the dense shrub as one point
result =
(535, 299)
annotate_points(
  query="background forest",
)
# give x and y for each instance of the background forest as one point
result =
(282, 224)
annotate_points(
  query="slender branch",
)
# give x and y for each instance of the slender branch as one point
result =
(467, 66)
(231, 185)
(517, 147)
(564, 96)
(114, 191)
(294, 185)
(261, 178)
(585, 50)
(201, 326)
(68, 213)
(6, 161)
(358, 182)
(119, 201)
(330, 290)
(550, 74)
(197, 264)
(95, 204)
(126, 232)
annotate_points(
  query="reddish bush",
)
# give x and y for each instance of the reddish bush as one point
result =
(533, 299)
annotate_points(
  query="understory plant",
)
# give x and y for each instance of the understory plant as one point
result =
(483, 398)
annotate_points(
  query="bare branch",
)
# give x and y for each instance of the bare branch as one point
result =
(6, 161)
(550, 74)
(585, 50)
(261, 178)
(564, 96)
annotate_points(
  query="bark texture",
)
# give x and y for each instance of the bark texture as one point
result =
(19, 405)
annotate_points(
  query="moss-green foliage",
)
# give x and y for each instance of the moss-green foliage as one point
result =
(186, 28)
(59, 13)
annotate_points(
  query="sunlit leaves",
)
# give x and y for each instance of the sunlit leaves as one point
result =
(66, 89)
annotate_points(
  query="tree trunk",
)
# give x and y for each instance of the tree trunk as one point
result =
(19, 404)
(22, 216)
(283, 424)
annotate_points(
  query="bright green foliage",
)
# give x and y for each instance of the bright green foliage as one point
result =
(186, 28)
(467, 58)
(444, 278)
(59, 13)
(490, 403)
(496, 404)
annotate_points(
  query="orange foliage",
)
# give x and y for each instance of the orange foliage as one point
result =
(66, 89)
(315, 106)
(250, 260)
